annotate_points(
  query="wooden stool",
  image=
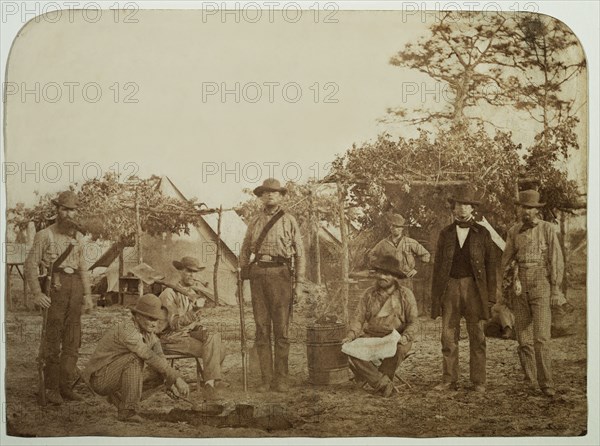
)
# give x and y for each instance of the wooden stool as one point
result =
(199, 370)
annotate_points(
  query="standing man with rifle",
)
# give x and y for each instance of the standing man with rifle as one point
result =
(272, 257)
(59, 249)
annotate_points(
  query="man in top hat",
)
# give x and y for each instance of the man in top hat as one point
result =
(398, 245)
(463, 285)
(271, 253)
(183, 332)
(116, 368)
(533, 244)
(59, 249)
(384, 307)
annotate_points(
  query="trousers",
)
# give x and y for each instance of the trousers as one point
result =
(271, 298)
(210, 351)
(375, 376)
(533, 320)
(63, 332)
(121, 380)
(461, 299)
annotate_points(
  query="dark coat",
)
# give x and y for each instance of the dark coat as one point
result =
(482, 261)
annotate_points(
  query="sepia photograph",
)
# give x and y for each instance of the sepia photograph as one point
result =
(316, 222)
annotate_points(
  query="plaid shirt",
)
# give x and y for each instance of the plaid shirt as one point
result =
(123, 339)
(405, 251)
(535, 247)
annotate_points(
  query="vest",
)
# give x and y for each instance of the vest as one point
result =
(461, 262)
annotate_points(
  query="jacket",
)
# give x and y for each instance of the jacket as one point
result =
(483, 265)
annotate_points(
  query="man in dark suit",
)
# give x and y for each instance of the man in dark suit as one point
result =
(464, 281)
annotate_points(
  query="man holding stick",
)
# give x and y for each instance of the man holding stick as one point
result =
(183, 332)
(59, 248)
(271, 252)
(116, 369)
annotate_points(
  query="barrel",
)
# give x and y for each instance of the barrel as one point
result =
(326, 362)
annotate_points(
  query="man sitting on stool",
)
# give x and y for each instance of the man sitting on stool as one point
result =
(184, 333)
(383, 308)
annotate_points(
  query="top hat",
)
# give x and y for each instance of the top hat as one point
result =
(150, 306)
(396, 220)
(390, 265)
(270, 185)
(188, 263)
(465, 195)
(530, 199)
(67, 199)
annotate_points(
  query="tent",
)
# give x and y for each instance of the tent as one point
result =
(159, 252)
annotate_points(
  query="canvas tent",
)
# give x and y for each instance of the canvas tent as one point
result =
(159, 252)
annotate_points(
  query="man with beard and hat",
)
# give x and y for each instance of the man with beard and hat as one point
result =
(534, 247)
(463, 285)
(384, 325)
(183, 331)
(59, 248)
(399, 245)
(271, 252)
(116, 368)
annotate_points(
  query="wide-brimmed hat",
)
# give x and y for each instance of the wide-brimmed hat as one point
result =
(388, 264)
(465, 195)
(395, 220)
(67, 199)
(150, 306)
(188, 263)
(270, 185)
(530, 199)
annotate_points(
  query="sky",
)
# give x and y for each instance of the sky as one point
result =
(216, 102)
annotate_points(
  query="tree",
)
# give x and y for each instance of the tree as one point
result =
(549, 59)
(461, 54)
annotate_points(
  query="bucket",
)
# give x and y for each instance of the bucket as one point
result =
(326, 362)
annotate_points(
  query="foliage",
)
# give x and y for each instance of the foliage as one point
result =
(489, 163)
(522, 62)
(302, 200)
(107, 209)
(461, 53)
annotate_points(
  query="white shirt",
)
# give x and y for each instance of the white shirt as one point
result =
(462, 234)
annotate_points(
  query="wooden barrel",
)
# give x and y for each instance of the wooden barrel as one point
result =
(326, 362)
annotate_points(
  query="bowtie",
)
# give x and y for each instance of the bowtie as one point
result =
(464, 224)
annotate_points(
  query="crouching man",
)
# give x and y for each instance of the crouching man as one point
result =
(116, 367)
(382, 330)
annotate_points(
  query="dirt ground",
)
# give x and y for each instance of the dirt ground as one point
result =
(506, 409)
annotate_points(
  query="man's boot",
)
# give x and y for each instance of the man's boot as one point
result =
(69, 394)
(53, 397)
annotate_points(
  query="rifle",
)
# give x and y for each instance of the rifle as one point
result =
(41, 359)
(292, 265)
(240, 284)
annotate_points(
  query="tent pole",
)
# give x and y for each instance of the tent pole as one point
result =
(218, 255)
(345, 256)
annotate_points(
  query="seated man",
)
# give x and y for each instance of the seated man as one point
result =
(384, 307)
(116, 367)
(183, 332)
